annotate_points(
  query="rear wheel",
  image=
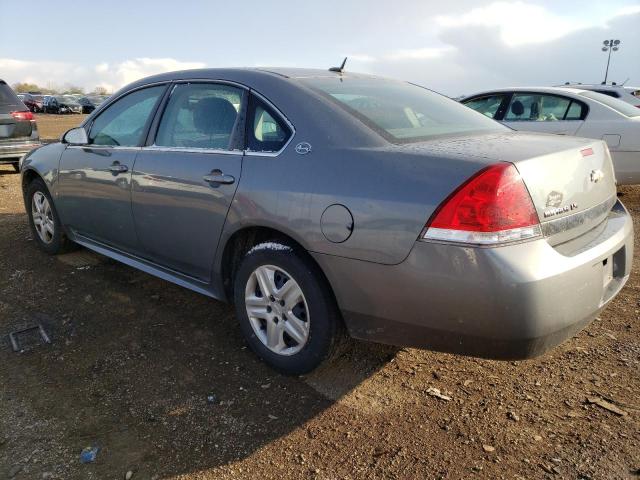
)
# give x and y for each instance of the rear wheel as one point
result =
(43, 219)
(285, 308)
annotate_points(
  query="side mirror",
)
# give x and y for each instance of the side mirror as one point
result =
(75, 136)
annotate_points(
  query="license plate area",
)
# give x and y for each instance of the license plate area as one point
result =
(613, 269)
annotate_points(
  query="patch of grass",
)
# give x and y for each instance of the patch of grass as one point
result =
(51, 127)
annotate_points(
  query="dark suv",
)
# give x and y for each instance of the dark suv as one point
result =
(18, 130)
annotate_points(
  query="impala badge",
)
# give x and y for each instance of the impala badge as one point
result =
(596, 175)
(303, 148)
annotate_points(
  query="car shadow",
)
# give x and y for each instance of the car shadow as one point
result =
(158, 377)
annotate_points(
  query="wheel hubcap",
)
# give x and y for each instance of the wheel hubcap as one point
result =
(42, 217)
(277, 310)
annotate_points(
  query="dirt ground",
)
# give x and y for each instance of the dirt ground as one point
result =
(51, 127)
(134, 359)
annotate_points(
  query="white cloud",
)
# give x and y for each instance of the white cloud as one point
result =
(418, 53)
(111, 76)
(519, 23)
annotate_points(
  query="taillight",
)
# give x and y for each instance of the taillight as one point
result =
(22, 115)
(492, 207)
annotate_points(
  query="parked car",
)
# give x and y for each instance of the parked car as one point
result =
(626, 94)
(61, 104)
(39, 99)
(320, 200)
(29, 102)
(570, 111)
(18, 130)
(90, 103)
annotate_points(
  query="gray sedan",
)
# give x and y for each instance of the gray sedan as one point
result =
(325, 203)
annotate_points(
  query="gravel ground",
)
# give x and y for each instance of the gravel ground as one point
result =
(133, 361)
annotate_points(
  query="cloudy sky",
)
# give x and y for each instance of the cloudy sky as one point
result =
(453, 47)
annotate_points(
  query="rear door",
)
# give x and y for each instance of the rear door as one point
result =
(185, 179)
(94, 191)
(12, 127)
(541, 112)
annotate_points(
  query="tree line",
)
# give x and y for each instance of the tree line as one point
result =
(25, 87)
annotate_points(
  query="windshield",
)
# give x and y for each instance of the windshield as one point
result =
(619, 106)
(399, 111)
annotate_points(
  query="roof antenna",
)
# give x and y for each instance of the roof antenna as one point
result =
(340, 68)
(623, 83)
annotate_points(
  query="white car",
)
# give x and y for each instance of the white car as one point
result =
(626, 94)
(569, 111)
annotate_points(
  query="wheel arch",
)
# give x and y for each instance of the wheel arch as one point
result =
(242, 240)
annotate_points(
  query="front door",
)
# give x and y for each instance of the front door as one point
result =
(184, 183)
(94, 191)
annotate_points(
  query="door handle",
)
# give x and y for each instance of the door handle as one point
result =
(217, 176)
(118, 168)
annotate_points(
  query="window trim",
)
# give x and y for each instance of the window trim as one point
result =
(147, 124)
(277, 113)
(150, 142)
(583, 115)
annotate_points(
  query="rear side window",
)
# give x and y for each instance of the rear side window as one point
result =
(123, 123)
(200, 115)
(533, 107)
(8, 98)
(488, 106)
(266, 130)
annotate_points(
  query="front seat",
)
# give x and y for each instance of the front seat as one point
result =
(517, 108)
(215, 118)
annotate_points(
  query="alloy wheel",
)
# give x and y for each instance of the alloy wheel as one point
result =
(42, 217)
(277, 310)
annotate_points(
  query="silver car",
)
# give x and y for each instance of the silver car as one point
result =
(324, 203)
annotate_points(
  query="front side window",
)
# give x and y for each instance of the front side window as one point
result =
(267, 132)
(123, 123)
(401, 112)
(200, 115)
(533, 107)
(488, 106)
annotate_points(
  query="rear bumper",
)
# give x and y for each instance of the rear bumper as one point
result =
(12, 152)
(510, 302)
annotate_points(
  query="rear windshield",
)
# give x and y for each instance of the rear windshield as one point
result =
(619, 106)
(399, 111)
(8, 97)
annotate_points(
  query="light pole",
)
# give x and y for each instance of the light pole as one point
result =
(609, 46)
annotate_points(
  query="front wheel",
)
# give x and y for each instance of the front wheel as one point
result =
(43, 219)
(285, 308)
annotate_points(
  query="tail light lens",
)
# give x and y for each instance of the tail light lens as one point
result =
(22, 116)
(492, 207)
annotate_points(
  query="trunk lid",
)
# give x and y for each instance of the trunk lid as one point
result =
(571, 180)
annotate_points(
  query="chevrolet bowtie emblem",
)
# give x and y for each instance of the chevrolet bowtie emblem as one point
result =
(596, 175)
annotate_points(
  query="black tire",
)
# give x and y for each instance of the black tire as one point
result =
(16, 166)
(59, 243)
(326, 333)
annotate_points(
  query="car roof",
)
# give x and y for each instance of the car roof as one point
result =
(563, 90)
(248, 74)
